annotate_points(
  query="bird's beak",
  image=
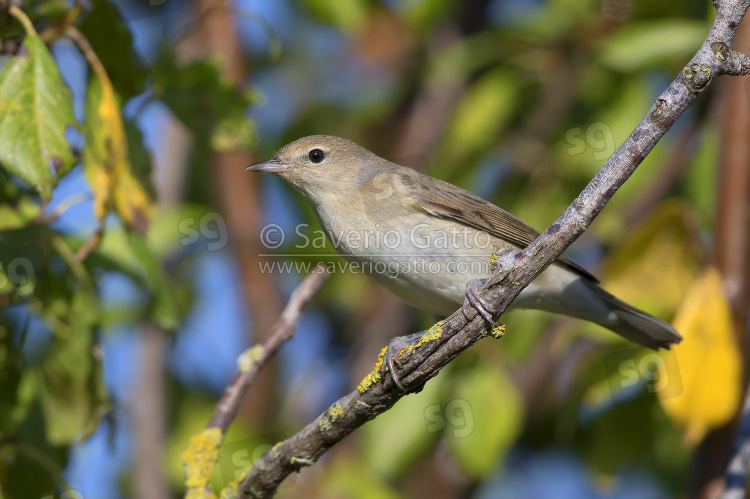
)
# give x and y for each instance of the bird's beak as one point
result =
(269, 166)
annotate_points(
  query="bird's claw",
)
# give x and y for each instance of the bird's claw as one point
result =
(475, 300)
(391, 360)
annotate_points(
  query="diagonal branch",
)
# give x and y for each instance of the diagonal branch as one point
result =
(202, 450)
(517, 270)
(253, 360)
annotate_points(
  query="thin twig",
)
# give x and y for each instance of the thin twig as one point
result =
(88, 51)
(251, 361)
(63, 206)
(90, 244)
(517, 270)
(202, 451)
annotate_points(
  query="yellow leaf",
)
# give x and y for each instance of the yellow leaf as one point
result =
(654, 265)
(707, 360)
(132, 202)
(106, 157)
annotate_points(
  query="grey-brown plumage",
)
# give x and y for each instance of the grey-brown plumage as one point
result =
(353, 191)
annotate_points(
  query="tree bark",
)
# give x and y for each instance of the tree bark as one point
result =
(731, 253)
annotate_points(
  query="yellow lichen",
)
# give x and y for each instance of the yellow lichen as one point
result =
(199, 458)
(691, 70)
(435, 332)
(232, 488)
(324, 425)
(374, 376)
(493, 258)
(249, 358)
(201, 493)
(335, 411)
(498, 331)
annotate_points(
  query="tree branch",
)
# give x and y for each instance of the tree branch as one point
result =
(253, 360)
(739, 462)
(448, 338)
(202, 451)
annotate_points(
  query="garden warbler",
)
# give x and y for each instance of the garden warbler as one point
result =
(425, 239)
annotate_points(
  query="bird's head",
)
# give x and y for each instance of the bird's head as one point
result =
(322, 163)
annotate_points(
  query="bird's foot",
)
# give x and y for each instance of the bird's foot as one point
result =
(475, 300)
(391, 361)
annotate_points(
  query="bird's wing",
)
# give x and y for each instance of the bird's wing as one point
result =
(445, 200)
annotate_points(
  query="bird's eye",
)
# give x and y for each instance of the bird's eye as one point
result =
(317, 155)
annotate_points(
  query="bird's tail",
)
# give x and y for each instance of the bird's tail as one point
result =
(635, 324)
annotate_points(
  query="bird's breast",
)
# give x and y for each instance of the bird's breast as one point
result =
(423, 259)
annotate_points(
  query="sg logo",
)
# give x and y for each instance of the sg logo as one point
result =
(239, 455)
(457, 413)
(658, 371)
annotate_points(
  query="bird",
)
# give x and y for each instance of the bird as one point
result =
(430, 242)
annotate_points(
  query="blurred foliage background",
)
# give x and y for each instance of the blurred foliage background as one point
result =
(132, 267)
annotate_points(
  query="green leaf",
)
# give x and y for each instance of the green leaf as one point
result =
(13, 405)
(403, 433)
(482, 113)
(464, 57)
(180, 226)
(140, 160)
(701, 177)
(348, 16)
(112, 41)
(24, 269)
(14, 217)
(643, 45)
(52, 10)
(346, 477)
(166, 310)
(69, 379)
(208, 102)
(484, 419)
(555, 19)
(427, 15)
(235, 133)
(657, 261)
(32, 466)
(35, 109)
(621, 435)
(115, 254)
